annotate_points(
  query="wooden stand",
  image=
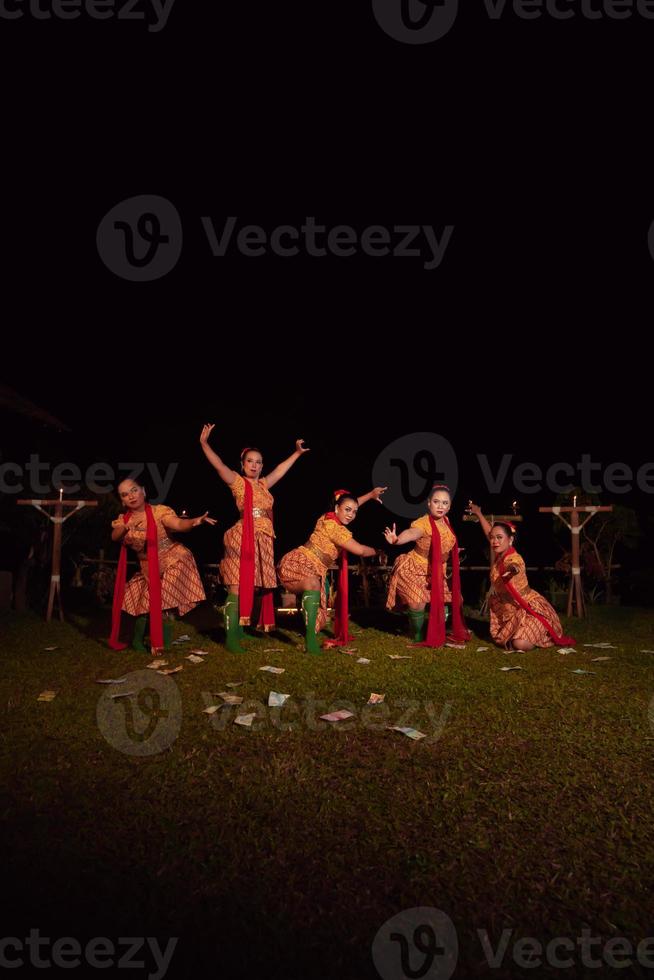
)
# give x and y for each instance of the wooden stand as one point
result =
(58, 506)
(575, 591)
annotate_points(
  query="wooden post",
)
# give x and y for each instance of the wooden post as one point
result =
(575, 592)
(58, 505)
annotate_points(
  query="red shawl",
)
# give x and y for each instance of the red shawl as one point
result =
(436, 626)
(154, 586)
(341, 619)
(246, 570)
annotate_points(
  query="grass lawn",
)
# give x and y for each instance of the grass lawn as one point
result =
(280, 850)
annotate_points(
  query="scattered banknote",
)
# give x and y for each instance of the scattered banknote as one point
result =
(456, 646)
(122, 694)
(363, 660)
(200, 653)
(410, 732)
(397, 656)
(234, 683)
(276, 700)
(113, 680)
(273, 670)
(229, 698)
(47, 696)
(376, 698)
(580, 671)
(481, 649)
(195, 659)
(565, 650)
(212, 709)
(156, 664)
(338, 715)
(512, 668)
(272, 650)
(170, 670)
(49, 649)
(184, 638)
(349, 650)
(245, 720)
(596, 660)
(647, 651)
(601, 646)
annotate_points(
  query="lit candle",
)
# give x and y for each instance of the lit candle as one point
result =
(61, 494)
(574, 501)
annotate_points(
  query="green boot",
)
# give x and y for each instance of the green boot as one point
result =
(139, 634)
(417, 619)
(310, 607)
(232, 629)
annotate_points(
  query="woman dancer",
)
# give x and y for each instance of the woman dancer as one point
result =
(520, 618)
(168, 578)
(418, 577)
(304, 570)
(248, 564)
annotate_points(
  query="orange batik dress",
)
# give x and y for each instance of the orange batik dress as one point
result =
(181, 586)
(410, 578)
(264, 535)
(315, 558)
(518, 612)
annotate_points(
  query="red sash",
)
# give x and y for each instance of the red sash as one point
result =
(246, 570)
(154, 586)
(341, 610)
(436, 636)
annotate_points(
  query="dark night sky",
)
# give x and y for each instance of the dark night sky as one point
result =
(530, 338)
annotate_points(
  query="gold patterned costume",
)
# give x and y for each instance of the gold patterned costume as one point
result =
(508, 620)
(181, 586)
(313, 559)
(264, 562)
(410, 578)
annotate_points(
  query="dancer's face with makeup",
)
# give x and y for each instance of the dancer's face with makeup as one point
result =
(347, 510)
(500, 540)
(439, 504)
(132, 496)
(252, 464)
